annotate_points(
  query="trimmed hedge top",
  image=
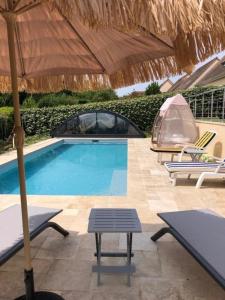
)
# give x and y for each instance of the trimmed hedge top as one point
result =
(141, 111)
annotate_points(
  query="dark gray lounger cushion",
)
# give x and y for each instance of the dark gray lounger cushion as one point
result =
(204, 232)
(11, 225)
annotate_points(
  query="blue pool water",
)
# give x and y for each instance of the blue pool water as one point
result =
(81, 168)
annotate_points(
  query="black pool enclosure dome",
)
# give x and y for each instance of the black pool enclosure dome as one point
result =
(100, 123)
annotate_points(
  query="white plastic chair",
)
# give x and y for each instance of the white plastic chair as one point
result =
(199, 148)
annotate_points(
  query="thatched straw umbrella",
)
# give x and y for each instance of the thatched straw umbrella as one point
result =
(47, 45)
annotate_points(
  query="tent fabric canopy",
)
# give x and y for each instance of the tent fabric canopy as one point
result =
(175, 123)
(56, 49)
(176, 100)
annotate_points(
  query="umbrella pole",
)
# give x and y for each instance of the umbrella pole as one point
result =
(19, 142)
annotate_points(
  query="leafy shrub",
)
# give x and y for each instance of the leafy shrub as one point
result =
(52, 100)
(82, 101)
(72, 98)
(104, 95)
(29, 102)
(153, 89)
(64, 97)
(86, 95)
(6, 122)
(65, 92)
(6, 111)
(95, 96)
(4, 146)
(207, 158)
(198, 90)
(5, 100)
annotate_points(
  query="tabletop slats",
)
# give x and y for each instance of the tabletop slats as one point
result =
(114, 220)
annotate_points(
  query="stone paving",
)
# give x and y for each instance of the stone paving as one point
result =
(165, 271)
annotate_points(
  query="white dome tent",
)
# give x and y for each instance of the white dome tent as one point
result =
(174, 124)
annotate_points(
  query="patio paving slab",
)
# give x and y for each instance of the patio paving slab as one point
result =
(165, 271)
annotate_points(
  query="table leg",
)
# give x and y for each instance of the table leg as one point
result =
(96, 242)
(129, 250)
(131, 236)
(127, 268)
(98, 239)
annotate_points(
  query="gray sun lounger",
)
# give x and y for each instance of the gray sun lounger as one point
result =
(11, 237)
(202, 234)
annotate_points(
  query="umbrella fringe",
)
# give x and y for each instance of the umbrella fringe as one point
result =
(192, 48)
(159, 16)
(145, 71)
(195, 27)
(196, 49)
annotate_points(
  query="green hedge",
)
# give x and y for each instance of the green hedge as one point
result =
(6, 122)
(141, 111)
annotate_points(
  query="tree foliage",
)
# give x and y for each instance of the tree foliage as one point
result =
(153, 89)
(64, 97)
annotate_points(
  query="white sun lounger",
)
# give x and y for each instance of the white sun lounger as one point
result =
(206, 170)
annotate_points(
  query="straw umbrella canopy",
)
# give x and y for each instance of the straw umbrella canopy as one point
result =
(48, 45)
(54, 52)
(50, 31)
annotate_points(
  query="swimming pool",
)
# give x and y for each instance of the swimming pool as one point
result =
(71, 167)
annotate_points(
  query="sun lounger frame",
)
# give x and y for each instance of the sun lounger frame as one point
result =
(203, 262)
(216, 173)
(15, 248)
